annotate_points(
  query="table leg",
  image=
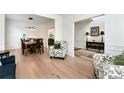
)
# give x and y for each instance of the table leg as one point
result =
(42, 48)
(7, 55)
(26, 50)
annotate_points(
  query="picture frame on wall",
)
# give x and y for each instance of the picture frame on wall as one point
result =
(94, 31)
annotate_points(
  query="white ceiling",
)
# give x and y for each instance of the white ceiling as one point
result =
(24, 18)
(100, 18)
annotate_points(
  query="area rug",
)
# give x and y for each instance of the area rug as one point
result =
(84, 53)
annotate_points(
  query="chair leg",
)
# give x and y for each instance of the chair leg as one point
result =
(39, 50)
(63, 58)
(22, 51)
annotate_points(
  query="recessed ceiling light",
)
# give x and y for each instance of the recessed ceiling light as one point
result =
(30, 18)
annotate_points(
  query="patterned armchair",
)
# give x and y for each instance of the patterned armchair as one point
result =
(105, 68)
(58, 53)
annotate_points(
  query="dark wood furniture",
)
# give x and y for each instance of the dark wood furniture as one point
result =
(23, 47)
(39, 45)
(95, 45)
(4, 53)
(32, 44)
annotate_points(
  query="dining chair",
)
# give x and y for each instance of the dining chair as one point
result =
(39, 45)
(23, 47)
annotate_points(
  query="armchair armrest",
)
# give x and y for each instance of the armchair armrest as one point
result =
(8, 71)
(8, 68)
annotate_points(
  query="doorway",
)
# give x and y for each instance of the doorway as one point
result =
(89, 36)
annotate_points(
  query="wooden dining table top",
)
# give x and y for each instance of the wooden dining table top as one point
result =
(29, 42)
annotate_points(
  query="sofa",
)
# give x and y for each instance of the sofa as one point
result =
(8, 68)
(58, 53)
(105, 68)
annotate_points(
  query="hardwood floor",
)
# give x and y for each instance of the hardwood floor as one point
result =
(36, 66)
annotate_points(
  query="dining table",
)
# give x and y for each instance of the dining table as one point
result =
(32, 42)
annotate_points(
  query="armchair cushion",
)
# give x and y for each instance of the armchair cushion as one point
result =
(59, 53)
(112, 72)
(105, 67)
(99, 60)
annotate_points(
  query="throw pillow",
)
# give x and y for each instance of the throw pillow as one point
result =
(57, 46)
(119, 60)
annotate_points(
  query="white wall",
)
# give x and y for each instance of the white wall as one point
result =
(85, 26)
(68, 35)
(15, 30)
(64, 27)
(51, 31)
(48, 26)
(64, 30)
(99, 21)
(114, 37)
(68, 29)
(80, 30)
(114, 30)
(2, 33)
(58, 25)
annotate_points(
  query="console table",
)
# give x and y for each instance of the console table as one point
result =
(95, 45)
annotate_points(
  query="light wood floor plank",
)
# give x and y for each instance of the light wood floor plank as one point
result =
(36, 66)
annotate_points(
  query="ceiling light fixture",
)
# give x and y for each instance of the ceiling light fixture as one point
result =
(30, 18)
(30, 28)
